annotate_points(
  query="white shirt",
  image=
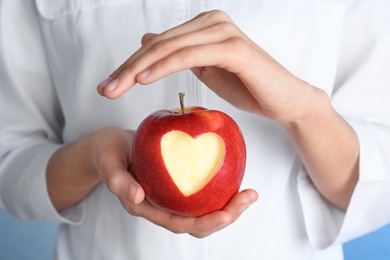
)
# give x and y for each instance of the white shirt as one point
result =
(54, 53)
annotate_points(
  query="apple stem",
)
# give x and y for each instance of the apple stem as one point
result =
(181, 97)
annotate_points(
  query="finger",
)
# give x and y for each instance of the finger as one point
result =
(122, 184)
(236, 206)
(113, 171)
(109, 87)
(147, 41)
(240, 202)
(175, 223)
(226, 55)
(211, 223)
(196, 226)
(203, 225)
(200, 22)
(161, 49)
(147, 37)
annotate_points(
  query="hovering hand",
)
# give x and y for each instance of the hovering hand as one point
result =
(221, 56)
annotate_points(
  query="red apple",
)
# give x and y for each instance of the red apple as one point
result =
(189, 161)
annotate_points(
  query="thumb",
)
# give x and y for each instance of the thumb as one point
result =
(122, 184)
(133, 191)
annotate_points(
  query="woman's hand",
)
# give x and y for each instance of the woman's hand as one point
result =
(221, 56)
(75, 170)
(112, 153)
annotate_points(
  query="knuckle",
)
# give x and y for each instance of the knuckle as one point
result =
(164, 45)
(165, 65)
(99, 160)
(154, 39)
(186, 53)
(182, 56)
(218, 16)
(127, 70)
(233, 49)
(133, 210)
(174, 228)
(236, 42)
(227, 28)
(113, 184)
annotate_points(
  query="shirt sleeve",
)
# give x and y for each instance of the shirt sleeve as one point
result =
(361, 96)
(31, 119)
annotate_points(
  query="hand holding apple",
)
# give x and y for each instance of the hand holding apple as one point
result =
(189, 161)
(110, 146)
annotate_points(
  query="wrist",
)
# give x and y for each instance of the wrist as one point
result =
(311, 107)
(87, 145)
(71, 174)
(88, 173)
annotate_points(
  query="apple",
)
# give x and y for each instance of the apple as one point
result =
(189, 161)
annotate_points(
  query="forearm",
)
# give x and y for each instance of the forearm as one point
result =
(71, 174)
(328, 147)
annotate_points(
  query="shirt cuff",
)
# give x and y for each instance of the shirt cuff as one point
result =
(24, 191)
(368, 209)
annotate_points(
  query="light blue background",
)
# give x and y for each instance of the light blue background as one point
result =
(35, 240)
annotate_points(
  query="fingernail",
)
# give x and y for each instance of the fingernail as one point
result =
(144, 73)
(131, 192)
(105, 82)
(254, 195)
(112, 85)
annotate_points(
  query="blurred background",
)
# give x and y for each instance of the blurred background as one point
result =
(35, 240)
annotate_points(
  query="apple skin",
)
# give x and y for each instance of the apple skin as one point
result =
(149, 169)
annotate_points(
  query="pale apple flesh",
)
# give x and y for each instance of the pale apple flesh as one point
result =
(192, 162)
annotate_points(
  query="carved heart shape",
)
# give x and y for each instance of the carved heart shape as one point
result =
(192, 162)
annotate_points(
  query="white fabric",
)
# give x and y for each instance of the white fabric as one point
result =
(54, 53)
